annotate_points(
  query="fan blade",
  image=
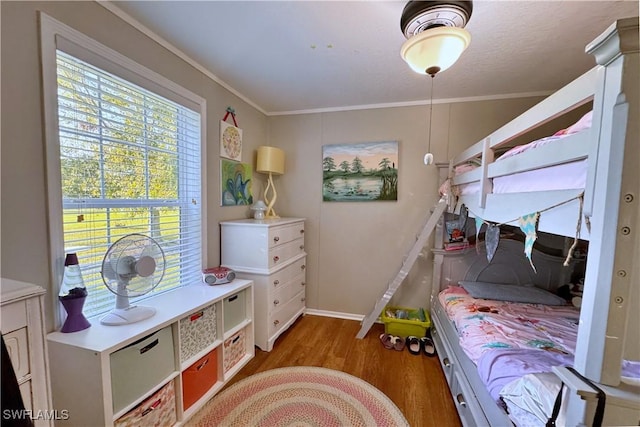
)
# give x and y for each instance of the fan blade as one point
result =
(108, 270)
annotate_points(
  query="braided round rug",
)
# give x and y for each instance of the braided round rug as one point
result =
(300, 396)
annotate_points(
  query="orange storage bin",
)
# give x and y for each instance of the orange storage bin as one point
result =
(198, 378)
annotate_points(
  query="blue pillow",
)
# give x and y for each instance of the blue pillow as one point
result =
(515, 293)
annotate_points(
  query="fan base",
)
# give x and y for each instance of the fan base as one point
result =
(126, 316)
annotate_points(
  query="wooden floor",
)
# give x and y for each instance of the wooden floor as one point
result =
(416, 384)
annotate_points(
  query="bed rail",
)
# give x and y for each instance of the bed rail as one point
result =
(575, 94)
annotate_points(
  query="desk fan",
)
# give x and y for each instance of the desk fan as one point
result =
(133, 266)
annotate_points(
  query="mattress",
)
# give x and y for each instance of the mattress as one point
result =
(567, 176)
(484, 325)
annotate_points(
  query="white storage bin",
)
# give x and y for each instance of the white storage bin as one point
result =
(197, 332)
(140, 366)
(234, 308)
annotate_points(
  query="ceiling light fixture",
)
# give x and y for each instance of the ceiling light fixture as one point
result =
(435, 34)
(435, 40)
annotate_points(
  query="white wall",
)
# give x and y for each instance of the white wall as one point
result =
(356, 248)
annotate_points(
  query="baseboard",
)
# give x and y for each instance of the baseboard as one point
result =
(336, 314)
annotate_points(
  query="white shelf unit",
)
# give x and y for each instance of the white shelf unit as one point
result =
(23, 333)
(82, 378)
(271, 253)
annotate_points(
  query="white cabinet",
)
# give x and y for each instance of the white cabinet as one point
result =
(173, 362)
(271, 253)
(23, 332)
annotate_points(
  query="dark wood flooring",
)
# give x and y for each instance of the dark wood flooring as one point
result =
(416, 384)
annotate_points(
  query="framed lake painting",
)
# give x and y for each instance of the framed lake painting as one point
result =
(362, 172)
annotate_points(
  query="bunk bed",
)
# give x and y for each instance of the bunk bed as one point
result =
(600, 206)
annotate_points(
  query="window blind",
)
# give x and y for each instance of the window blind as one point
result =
(130, 162)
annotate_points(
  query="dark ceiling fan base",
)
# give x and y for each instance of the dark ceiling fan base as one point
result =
(427, 13)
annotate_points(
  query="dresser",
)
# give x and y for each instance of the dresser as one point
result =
(23, 333)
(271, 253)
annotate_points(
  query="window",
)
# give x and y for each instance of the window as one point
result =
(129, 161)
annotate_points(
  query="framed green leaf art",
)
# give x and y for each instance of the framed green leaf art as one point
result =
(235, 183)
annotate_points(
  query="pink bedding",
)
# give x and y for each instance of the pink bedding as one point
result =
(559, 177)
(483, 325)
(582, 124)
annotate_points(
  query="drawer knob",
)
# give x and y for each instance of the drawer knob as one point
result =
(276, 322)
(276, 239)
(302, 299)
(302, 231)
(302, 267)
(302, 283)
(461, 401)
(302, 247)
(276, 302)
(276, 282)
(276, 258)
(446, 362)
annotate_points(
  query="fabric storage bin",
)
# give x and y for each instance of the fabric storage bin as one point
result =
(197, 332)
(411, 326)
(140, 366)
(198, 378)
(234, 308)
(234, 350)
(158, 410)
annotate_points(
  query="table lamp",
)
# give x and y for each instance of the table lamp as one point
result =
(270, 160)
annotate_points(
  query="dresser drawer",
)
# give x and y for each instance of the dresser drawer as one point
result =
(286, 274)
(281, 235)
(14, 316)
(18, 347)
(25, 392)
(140, 366)
(279, 255)
(279, 318)
(287, 291)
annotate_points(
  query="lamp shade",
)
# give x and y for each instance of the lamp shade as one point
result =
(435, 48)
(270, 159)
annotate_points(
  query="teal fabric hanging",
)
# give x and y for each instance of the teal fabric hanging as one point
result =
(528, 225)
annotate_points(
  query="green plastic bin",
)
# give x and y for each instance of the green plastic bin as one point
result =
(412, 326)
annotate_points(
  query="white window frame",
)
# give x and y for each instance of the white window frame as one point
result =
(53, 34)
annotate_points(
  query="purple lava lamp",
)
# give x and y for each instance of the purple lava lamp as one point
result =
(72, 295)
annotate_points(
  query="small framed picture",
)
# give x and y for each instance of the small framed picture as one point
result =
(230, 141)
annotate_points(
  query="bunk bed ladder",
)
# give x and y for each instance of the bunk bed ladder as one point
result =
(407, 264)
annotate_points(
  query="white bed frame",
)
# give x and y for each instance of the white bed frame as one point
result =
(610, 312)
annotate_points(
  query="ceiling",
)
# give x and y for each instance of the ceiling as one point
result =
(302, 56)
